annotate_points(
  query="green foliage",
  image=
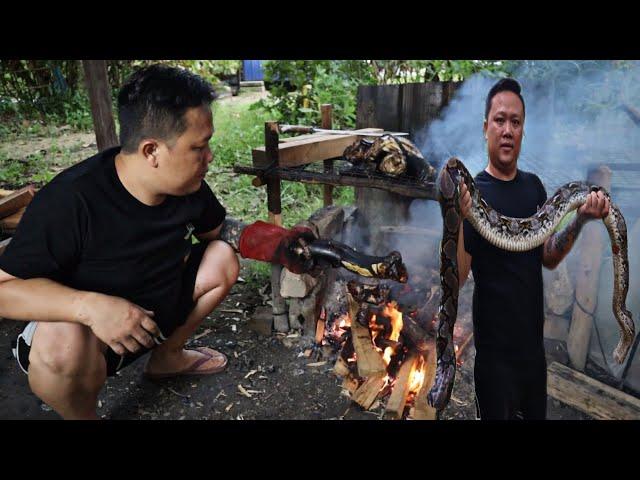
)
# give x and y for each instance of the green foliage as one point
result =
(299, 87)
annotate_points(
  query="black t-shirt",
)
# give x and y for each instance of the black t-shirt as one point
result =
(508, 313)
(86, 231)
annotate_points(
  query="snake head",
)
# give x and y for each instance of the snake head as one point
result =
(393, 268)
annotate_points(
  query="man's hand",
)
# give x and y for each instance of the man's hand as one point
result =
(465, 200)
(596, 207)
(122, 325)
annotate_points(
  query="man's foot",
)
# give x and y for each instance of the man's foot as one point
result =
(199, 361)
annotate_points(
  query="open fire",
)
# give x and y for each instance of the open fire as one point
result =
(385, 355)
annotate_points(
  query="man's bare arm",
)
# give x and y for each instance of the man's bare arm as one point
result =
(464, 259)
(558, 245)
(117, 322)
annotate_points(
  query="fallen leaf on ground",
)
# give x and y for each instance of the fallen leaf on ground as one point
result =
(243, 391)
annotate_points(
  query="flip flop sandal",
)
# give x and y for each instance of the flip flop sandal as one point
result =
(194, 369)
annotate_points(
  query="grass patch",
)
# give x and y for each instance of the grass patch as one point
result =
(237, 130)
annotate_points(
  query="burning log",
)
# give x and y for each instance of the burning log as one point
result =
(367, 393)
(412, 331)
(421, 408)
(341, 367)
(398, 399)
(370, 362)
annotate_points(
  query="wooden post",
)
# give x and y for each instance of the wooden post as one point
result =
(280, 316)
(326, 110)
(100, 99)
(588, 274)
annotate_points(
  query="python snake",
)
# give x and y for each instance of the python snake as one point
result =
(516, 235)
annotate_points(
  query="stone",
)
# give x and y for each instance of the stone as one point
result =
(262, 320)
(293, 285)
(295, 310)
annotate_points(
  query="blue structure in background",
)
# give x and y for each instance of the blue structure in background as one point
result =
(252, 70)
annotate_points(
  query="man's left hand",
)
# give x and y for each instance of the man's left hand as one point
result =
(596, 207)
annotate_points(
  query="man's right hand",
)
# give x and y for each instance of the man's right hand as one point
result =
(465, 200)
(122, 325)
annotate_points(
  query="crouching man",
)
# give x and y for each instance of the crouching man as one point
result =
(102, 265)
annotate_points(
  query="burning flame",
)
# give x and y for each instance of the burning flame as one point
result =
(417, 377)
(396, 327)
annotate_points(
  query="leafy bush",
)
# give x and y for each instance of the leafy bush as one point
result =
(299, 87)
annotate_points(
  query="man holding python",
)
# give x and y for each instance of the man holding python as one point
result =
(508, 314)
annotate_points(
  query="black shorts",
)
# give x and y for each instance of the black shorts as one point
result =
(22, 345)
(509, 390)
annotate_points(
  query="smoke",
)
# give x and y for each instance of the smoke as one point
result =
(574, 121)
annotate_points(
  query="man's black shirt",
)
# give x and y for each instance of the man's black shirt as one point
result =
(86, 231)
(508, 313)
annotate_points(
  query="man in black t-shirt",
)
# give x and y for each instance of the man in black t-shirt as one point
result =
(103, 265)
(508, 317)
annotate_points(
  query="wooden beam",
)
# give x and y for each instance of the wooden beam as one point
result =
(427, 190)
(367, 393)
(16, 200)
(280, 315)
(10, 223)
(301, 152)
(326, 112)
(369, 360)
(341, 368)
(590, 396)
(588, 276)
(421, 408)
(100, 99)
(361, 132)
(398, 398)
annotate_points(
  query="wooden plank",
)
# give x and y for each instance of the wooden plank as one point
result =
(302, 152)
(369, 360)
(587, 277)
(16, 200)
(556, 327)
(379, 106)
(10, 223)
(398, 398)
(326, 112)
(590, 396)
(367, 393)
(426, 190)
(350, 384)
(421, 103)
(360, 132)
(100, 99)
(421, 408)
(341, 368)
(280, 312)
(3, 245)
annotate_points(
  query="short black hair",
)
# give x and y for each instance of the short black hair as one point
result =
(153, 100)
(504, 84)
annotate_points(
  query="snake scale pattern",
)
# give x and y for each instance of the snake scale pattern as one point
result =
(517, 235)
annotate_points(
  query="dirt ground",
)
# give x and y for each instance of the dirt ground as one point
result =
(272, 369)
